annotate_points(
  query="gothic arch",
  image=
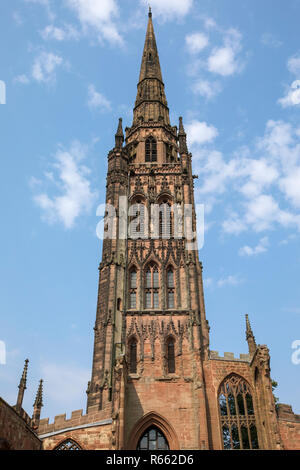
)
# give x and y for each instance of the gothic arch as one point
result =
(165, 196)
(237, 414)
(153, 419)
(68, 444)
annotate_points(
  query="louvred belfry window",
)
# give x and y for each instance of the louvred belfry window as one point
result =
(238, 423)
(171, 355)
(133, 356)
(165, 220)
(132, 289)
(171, 288)
(152, 287)
(151, 150)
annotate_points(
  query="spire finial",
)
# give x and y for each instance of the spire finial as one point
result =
(39, 396)
(37, 406)
(119, 137)
(22, 386)
(182, 138)
(150, 12)
(250, 336)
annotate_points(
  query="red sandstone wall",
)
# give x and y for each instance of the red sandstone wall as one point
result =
(95, 438)
(289, 427)
(15, 431)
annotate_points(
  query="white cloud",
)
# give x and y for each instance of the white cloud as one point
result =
(223, 60)
(76, 196)
(292, 98)
(294, 65)
(261, 247)
(207, 89)
(196, 42)
(200, 132)
(290, 185)
(270, 40)
(96, 100)
(59, 34)
(99, 16)
(44, 67)
(169, 9)
(229, 281)
(263, 181)
(23, 79)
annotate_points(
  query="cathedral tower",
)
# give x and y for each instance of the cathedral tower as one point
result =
(155, 383)
(151, 312)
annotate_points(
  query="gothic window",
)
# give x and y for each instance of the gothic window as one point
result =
(151, 287)
(151, 150)
(153, 439)
(132, 288)
(238, 422)
(171, 355)
(171, 288)
(138, 220)
(69, 444)
(133, 356)
(165, 220)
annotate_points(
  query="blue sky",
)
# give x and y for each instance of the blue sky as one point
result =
(231, 69)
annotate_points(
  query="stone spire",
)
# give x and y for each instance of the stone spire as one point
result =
(22, 386)
(250, 337)
(37, 406)
(119, 137)
(151, 103)
(182, 138)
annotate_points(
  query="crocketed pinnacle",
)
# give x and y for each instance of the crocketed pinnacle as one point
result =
(23, 380)
(182, 138)
(119, 137)
(250, 336)
(22, 387)
(151, 103)
(39, 396)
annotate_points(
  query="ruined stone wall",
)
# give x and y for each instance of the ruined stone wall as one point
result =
(15, 431)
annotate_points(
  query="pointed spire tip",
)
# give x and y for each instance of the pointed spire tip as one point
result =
(150, 12)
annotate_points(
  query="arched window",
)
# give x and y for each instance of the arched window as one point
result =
(138, 227)
(133, 356)
(171, 355)
(152, 287)
(238, 422)
(171, 288)
(151, 150)
(153, 439)
(132, 288)
(68, 444)
(165, 220)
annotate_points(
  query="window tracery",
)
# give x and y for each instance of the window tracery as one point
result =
(237, 416)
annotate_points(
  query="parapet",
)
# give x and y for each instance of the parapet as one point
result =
(229, 356)
(94, 417)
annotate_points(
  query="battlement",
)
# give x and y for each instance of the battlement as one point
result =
(229, 356)
(94, 417)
